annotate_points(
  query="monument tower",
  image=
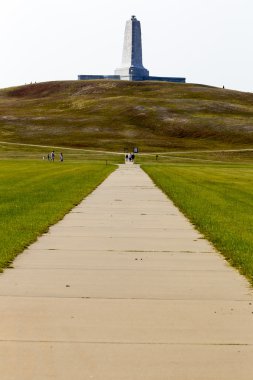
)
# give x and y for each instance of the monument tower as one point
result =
(132, 67)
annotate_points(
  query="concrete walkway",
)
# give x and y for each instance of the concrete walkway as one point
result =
(124, 288)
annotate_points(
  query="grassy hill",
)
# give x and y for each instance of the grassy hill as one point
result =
(114, 115)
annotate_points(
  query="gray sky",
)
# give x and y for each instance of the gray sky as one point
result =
(207, 41)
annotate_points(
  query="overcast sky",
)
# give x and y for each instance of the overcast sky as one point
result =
(207, 41)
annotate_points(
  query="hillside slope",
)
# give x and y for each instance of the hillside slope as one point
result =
(116, 114)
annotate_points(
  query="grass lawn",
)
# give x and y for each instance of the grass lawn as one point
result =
(35, 195)
(218, 199)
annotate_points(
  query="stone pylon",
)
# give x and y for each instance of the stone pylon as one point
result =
(132, 67)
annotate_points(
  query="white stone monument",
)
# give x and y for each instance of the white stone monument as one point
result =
(132, 67)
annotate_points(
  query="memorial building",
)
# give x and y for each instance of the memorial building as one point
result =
(132, 68)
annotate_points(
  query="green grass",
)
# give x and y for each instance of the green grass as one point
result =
(35, 195)
(217, 198)
(18, 151)
(113, 115)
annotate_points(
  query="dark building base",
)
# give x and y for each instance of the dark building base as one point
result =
(131, 78)
(93, 77)
(167, 79)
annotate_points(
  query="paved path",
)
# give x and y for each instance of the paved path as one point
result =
(124, 288)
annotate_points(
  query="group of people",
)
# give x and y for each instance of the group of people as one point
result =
(51, 156)
(129, 157)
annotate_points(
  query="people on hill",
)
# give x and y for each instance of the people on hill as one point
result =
(129, 157)
(51, 156)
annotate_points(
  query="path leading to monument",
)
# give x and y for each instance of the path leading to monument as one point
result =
(124, 288)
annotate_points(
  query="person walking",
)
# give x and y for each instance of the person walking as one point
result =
(61, 157)
(52, 156)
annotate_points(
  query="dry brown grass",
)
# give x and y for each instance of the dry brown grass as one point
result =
(117, 114)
